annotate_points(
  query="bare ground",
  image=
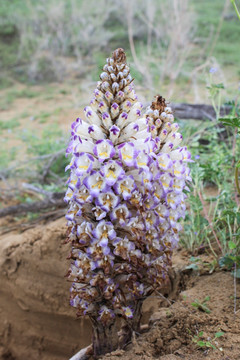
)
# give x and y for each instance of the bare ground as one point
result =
(173, 328)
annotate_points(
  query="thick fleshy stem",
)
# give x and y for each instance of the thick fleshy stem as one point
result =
(104, 336)
(132, 326)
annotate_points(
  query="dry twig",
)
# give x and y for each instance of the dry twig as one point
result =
(56, 200)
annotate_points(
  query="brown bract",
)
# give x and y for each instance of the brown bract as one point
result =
(119, 56)
(159, 103)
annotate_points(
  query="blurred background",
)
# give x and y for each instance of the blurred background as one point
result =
(53, 51)
(51, 55)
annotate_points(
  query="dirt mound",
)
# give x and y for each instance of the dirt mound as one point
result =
(175, 330)
(36, 321)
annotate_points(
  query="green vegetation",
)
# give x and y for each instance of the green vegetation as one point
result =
(10, 96)
(213, 218)
(9, 125)
(6, 156)
(50, 142)
(209, 31)
(202, 305)
(200, 341)
(209, 20)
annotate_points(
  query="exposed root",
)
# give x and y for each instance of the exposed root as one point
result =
(83, 354)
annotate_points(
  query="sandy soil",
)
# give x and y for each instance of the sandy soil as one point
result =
(172, 329)
(36, 321)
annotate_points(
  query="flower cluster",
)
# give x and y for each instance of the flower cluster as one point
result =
(125, 195)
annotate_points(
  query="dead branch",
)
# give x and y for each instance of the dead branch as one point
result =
(53, 215)
(56, 201)
(197, 111)
(4, 172)
(47, 167)
(35, 189)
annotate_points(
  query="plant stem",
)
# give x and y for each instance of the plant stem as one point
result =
(235, 287)
(236, 177)
(209, 221)
(104, 337)
(236, 9)
(107, 338)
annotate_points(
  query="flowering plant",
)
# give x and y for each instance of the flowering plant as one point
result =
(125, 195)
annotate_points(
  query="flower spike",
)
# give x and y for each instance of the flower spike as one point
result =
(128, 173)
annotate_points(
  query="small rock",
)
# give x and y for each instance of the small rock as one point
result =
(158, 315)
(175, 345)
(159, 343)
(117, 353)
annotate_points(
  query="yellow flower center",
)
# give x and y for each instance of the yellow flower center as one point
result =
(98, 184)
(111, 173)
(125, 156)
(104, 153)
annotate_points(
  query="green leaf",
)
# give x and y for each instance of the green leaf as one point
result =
(237, 260)
(207, 298)
(219, 334)
(195, 304)
(200, 334)
(205, 308)
(201, 343)
(218, 86)
(229, 212)
(201, 306)
(192, 266)
(236, 273)
(231, 121)
(226, 261)
(194, 259)
(232, 245)
(208, 344)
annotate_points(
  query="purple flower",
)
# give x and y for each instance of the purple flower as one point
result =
(115, 106)
(112, 171)
(127, 153)
(83, 163)
(106, 315)
(95, 183)
(125, 187)
(107, 201)
(90, 129)
(99, 213)
(114, 130)
(120, 213)
(123, 247)
(213, 70)
(104, 230)
(104, 149)
(127, 312)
